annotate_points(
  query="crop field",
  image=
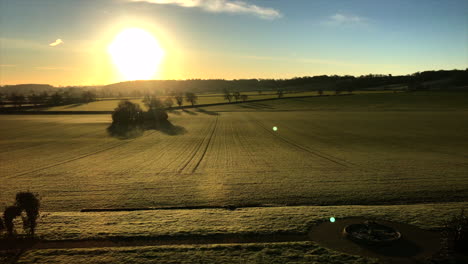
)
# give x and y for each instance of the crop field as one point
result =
(362, 149)
(110, 104)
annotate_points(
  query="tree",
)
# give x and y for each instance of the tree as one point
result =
(153, 103)
(191, 98)
(56, 99)
(29, 202)
(168, 102)
(127, 114)
(237, 96)
(320, 92)
(34, 99)
(280, 93)
(10, 213)
(179, 99)
(42, 98)
(227, 95)
(17, 99)
(88, 96)
(244, 97)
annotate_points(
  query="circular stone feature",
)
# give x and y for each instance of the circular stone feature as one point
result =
(371, 233)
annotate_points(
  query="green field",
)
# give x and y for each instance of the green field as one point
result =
(361, 149)
(394, 156)
(109, 104)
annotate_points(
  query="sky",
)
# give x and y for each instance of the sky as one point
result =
(67, 42)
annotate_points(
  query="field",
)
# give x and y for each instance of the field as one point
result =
(397, 156)
(109, 104)
(364, 152)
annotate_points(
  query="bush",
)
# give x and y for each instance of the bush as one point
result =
(29, 202)
(10, 213)
(2, 226)
(456, 233)
(127, 114)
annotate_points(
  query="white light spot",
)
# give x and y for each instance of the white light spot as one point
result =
(332, 219)
(275, 128)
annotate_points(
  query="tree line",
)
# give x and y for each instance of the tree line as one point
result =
(46, 99)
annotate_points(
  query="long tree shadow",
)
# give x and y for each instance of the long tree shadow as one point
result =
(128, 132)
(73, 105)
(189, 112)
(204, 111)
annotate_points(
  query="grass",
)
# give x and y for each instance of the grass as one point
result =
(109, 104)
(319, 157)
(298, 252)
(374, 154)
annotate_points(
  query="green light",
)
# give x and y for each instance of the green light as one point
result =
(332, 219)
(275, 128)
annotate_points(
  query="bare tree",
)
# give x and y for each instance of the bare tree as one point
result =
(29, 202)
(168, 102)
(280, 93)
(17, 99)
(179, 99)
(227, 95)
(244, 97)
(191, 98)
(237, 96)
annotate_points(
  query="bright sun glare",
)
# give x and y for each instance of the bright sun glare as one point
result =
(136, 53)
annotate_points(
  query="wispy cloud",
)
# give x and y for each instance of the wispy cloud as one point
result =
(345, 19)
(222, 6)
(56, 43)
(7, 65)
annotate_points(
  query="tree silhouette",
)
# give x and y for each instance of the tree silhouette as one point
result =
(191, 98)
(153, 103)
(179, 99)
(237, 96)
(17, 99)
(29, 202)
(10, 213)
(168, 102)
(127, 114)
(56, 99)
(227, 95)
(88, 96)
(244, 97)
(280, 93)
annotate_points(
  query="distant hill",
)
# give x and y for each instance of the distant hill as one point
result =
(27, 88)
(427, 80)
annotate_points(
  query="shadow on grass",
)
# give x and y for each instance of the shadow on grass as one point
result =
(73, 105)
(175, 112)
(189, 112)
(203, 111)
(128, 132)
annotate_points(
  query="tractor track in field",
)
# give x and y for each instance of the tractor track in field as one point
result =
(79, 157)
(192, 156)
(207, 145)
(313, 152)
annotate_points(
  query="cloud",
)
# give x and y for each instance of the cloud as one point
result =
(56, 43)
(7, 65)
(221, 6)
(345, 19)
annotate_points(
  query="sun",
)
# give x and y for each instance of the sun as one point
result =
(136, 54)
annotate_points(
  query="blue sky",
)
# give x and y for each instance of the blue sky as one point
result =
(231, 39)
